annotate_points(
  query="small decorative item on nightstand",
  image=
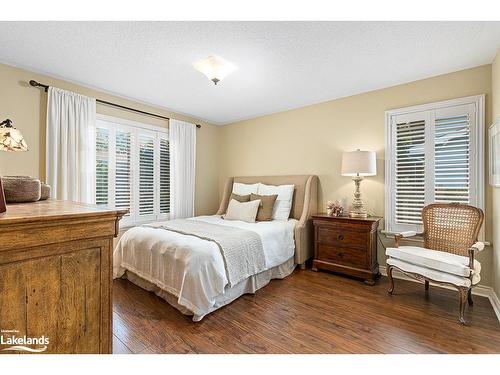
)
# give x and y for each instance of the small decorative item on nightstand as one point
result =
(334, 208)
(346, 245)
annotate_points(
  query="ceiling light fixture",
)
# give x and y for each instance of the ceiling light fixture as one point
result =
(215, 68)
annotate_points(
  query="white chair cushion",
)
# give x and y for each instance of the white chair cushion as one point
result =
(434, 274)
(437, 260)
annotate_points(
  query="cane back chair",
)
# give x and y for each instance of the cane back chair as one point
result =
(448, 254)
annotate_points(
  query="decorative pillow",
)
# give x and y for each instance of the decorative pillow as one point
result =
(245, 189)
(240, 198)
(283, 205)
(265, 212)
(246, 211)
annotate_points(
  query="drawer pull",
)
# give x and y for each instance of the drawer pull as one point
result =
(340, 237)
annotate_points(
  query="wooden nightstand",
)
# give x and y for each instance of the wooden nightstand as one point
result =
(346, 245)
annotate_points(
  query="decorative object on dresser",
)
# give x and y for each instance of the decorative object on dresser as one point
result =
(358, 164)
(11, 139)
(346, 245)
(22, 189)
(450, 243)
(55, 275)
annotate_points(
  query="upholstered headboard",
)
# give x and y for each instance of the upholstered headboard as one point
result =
(305, 203)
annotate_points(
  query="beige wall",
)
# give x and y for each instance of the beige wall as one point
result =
(495, 89)
(304, 140)
(311, 139)
(26, 106)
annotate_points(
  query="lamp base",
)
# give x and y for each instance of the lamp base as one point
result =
(358, 214)
(358, 207)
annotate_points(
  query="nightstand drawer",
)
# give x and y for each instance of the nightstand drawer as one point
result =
(339, 237)
(342, 255)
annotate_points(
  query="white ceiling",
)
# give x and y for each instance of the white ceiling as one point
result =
(282, 65)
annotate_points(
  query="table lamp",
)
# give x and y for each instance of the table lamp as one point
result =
(11, 139)
(358, 164)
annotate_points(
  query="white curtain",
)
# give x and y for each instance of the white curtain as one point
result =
(182, 138)
(70, 156)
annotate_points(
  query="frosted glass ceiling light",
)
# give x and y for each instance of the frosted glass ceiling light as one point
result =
(215, 68)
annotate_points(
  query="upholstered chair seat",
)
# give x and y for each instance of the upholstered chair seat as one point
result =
(436, 260)
(435, 275)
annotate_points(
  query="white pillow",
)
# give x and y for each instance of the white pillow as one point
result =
(246, 211)
(283, 204)
(245, 189)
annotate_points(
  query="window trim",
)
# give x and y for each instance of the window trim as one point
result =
(124, 125)
(126, 122)
(478, 138)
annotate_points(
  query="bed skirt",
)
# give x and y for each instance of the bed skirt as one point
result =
(248, 286)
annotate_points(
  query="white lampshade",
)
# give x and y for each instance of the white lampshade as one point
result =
(215, 68)
(362, 163)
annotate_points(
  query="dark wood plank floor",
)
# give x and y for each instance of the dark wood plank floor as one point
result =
(309, 312)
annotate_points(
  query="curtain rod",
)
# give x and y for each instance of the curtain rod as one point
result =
(46, 88)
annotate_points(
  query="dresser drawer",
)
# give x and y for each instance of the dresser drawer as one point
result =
(340, 237)
(342, 255)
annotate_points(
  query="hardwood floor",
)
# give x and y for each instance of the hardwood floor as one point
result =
(309, 312)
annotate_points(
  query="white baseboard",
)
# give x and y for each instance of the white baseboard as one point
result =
(480, 290)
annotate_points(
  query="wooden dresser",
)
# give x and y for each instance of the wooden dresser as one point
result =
(346, 245)
(56, 275)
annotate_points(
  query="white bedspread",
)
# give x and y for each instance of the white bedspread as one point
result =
(192, 268)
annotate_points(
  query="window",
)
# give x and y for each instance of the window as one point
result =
(132, 169)
(434, 153)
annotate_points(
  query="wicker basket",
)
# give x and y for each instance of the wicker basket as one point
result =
(20, 189)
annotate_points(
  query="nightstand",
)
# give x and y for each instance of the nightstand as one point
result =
(346, 245)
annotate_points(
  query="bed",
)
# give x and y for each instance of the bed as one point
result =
(190, 273)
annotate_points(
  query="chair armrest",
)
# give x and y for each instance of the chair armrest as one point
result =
(407, 234)
(479, 246)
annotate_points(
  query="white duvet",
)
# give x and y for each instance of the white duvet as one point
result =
(191, 268)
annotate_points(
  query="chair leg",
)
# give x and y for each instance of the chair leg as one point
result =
(469, 297)
(426, 282)
(391, 280)
(462, 293)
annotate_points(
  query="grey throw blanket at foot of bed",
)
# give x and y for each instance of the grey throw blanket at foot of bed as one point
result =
(241, 249)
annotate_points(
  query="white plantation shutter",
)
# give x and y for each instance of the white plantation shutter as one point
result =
(123, 170)
(164, 176)
(146, 174)
(434, 153)
(452, 147)
(132, 169)
(102, 166)
(410, 170)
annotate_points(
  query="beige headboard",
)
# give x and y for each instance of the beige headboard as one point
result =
(305, 203)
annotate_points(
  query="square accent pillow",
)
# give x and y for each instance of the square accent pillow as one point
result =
(283, 205)
(245, 189)
(240, 198)
(246, 211)
(265, 211)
